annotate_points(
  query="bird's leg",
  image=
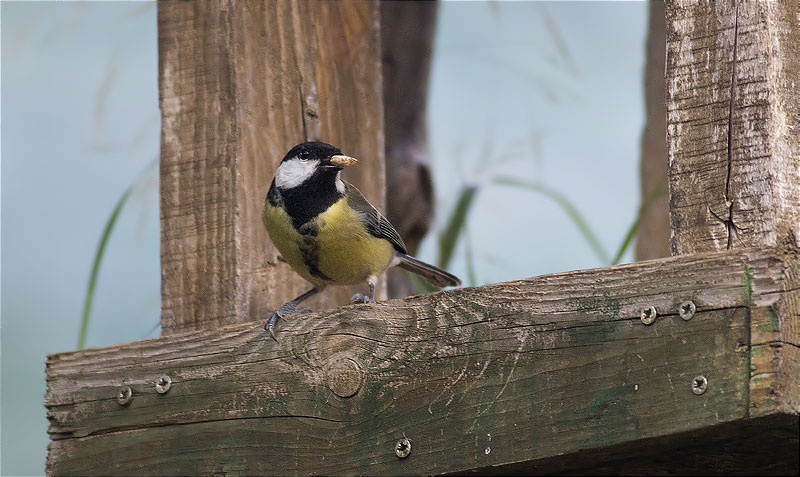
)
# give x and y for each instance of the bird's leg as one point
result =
(359, 298)
(289, 308)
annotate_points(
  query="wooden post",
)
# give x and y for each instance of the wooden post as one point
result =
(733, 102)
(240, 84)
(652, 236)
(407, 30)
(733, 123)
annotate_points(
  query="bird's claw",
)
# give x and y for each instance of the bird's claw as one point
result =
(269, 325)
(361, 298)
(282, 312)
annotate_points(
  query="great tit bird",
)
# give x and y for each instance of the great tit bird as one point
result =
(328, 232)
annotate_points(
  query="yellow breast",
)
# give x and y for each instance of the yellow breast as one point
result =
(342, 248)
(347, 252)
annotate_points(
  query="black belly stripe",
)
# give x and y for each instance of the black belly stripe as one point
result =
(309, 249)
(303, 204)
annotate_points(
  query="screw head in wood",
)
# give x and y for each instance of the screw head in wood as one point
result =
(648, 315)
(163, 384)
(124, 395)
(699, 385)
(402, 448)
(686, 310)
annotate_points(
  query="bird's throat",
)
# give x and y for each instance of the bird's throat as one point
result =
(309, 199)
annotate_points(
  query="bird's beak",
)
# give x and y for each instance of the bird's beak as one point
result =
(343, 161)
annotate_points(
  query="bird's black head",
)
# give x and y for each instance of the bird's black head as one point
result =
(314, 163)
(309, 151)
(307, 181)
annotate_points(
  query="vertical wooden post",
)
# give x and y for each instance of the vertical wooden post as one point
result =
(407, 30)
(652, 236)
(240, 83)
(733, 124)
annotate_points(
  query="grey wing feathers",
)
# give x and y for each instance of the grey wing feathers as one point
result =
(375, 223)
(387, 231)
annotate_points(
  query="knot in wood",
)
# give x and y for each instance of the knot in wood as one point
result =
(345, 377)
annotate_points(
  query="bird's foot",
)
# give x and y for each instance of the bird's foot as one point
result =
(285, 310)
(360, 298)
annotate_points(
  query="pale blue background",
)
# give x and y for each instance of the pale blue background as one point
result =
(80, 123)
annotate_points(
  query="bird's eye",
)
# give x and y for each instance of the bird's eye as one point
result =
(305, 155)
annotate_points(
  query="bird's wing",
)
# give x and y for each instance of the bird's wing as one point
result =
(376, 224)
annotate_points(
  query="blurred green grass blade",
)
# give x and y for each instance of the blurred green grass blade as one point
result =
(98, 257)
(471, 280)
(451, 233)
(566, 205)
(155, 327)
(657, 192)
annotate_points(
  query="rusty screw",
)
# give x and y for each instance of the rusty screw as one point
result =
(699, 385)
(124, 395)
(648, 315)
(402, 448)
(163, 384)
(686, 310)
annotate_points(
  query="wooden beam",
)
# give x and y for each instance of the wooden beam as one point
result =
(733, 129)
(474, 377)
(240, 84)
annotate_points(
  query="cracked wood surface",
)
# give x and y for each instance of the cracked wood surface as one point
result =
(733, 133)
(733, 124)
(474, 377)
(241, 83)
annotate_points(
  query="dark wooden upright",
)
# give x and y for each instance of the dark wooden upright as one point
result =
(688, 364)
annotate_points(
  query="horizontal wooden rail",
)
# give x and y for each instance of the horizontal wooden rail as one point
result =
(475, 377)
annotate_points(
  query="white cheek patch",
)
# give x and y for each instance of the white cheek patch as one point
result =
(340, 183)
(294, 172)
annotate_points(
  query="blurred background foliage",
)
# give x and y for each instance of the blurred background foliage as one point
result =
(534, 121)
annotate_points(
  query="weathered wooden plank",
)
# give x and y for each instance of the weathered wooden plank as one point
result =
(775, 355)
(733, 128)
(474, 377)
(240, 84)
(722, 449)
(733, 113)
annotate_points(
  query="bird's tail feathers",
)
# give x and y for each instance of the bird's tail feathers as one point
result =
(435, 275)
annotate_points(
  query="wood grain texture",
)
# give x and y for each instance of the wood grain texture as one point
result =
(733, 124)
(240, 84)
(722, 449)
(775, 341)
(733, 127)
(475, 377)
(652, 235)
